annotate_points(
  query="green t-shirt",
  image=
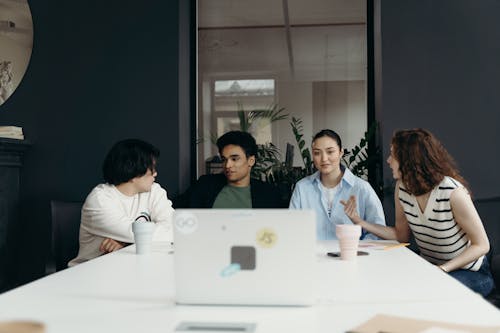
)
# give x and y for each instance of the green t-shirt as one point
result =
(233, 197)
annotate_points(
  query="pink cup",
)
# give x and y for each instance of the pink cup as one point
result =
(348, 236)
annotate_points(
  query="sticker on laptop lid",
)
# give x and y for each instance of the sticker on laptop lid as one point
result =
(186, 222)
(266, 238)
(230, 270)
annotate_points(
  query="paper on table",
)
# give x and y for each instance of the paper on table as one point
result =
(442, 330)
(393, 324)
(381, 245)
(21, 326)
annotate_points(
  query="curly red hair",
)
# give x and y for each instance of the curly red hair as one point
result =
(423, 160)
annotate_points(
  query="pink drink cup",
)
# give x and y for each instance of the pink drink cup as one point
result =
(348, 236)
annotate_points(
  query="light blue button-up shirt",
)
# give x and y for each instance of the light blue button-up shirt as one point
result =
(308, 195)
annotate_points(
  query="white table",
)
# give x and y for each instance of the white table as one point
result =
(123, 292)
(385, 276)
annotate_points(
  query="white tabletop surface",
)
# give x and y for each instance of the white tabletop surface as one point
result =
(125, 292)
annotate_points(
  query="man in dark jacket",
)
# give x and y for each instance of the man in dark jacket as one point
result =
(233, 188)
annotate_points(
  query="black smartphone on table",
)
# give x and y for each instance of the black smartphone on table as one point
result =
(337, 254)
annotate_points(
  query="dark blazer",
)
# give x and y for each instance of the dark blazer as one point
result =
(203, 192)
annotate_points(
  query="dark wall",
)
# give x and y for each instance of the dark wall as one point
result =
(440, 71)
(100, 71)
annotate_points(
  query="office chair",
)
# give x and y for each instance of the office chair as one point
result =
(494, 297)
(489, 211)
(65, 231)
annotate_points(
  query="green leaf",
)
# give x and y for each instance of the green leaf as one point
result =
(244, 125)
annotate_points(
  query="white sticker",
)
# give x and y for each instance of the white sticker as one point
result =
(186, 223)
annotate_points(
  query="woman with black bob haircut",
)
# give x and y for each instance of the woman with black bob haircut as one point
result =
(129, 194)
(128, 159)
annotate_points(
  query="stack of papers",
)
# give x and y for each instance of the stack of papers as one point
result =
(11, 132)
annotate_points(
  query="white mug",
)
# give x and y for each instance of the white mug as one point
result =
(143, 236)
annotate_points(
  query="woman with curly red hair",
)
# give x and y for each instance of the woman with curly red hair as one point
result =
(432, 201)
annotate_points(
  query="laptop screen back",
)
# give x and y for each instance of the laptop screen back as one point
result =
(245, 257)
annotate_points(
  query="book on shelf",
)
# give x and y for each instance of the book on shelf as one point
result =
(11, 132)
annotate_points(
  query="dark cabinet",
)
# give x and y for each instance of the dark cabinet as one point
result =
(11, 161)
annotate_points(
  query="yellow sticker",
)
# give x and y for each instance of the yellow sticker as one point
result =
(266, 238)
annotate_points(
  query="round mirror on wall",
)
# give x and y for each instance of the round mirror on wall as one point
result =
(16, 43)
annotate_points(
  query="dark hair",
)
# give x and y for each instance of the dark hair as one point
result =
(329, 133)
(238, 138)
(128, 159)
(423, 160)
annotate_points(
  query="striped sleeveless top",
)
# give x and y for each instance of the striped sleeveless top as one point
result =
(438, 236)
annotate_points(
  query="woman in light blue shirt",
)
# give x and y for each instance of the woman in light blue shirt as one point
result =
(334, 192)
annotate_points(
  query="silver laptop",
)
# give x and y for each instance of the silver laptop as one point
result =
(245, 256)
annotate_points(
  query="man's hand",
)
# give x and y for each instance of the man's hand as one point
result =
(350, 209)
(109, 245)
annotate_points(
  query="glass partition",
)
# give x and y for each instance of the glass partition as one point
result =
(305, 58)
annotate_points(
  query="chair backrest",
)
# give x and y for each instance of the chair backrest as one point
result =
(495, 270)
(65, 231)
(489, 210)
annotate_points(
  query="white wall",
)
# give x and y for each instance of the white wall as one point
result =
(339, 105)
